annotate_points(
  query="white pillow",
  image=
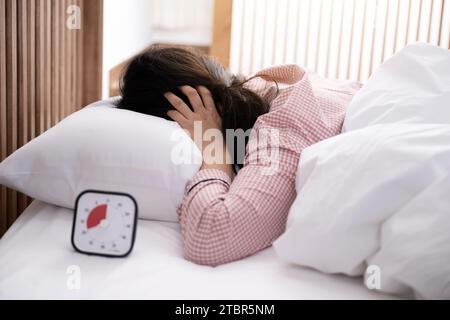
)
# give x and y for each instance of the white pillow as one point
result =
(376, 196)
(411, 87)
(104, 148)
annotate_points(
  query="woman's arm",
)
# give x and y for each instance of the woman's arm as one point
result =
(223, 221)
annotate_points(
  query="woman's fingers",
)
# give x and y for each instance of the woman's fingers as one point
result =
(179, 118)
(194, 98)
(207, 99)
(179, 105)
(203, 104)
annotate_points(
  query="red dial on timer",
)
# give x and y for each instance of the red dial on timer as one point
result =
(96, 216)
(104, 223)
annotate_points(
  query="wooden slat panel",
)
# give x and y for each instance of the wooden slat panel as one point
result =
(43, 75)
(92, 26)
(79, 87)
(31, 67)
(11, 94)
(56, 29)
(40, 67)
(63, 52)
(31, 16)
(23, 111)
(48, 64)
(73, 60)
(23, 73)
(3, 115)
(67, 54)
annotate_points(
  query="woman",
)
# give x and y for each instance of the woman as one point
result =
(226, 216)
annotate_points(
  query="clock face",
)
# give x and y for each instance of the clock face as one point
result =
(104, 223)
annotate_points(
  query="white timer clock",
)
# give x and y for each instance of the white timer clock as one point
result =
(104, 223)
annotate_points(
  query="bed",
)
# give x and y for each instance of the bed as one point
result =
(36, 260)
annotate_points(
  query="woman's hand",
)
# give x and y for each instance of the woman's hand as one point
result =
(204, 113)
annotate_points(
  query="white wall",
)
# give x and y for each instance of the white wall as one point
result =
(127, 29)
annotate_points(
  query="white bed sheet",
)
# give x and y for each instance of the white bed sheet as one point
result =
(36, 253)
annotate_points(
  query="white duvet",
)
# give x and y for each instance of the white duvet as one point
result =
(376, 199)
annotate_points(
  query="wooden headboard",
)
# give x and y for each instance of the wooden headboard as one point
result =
(47, 71)
(221, 40)
(338, 39)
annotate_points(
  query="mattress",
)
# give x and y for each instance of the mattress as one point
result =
(37, 261)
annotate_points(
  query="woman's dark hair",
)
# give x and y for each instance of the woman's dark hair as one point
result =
(158, 70)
